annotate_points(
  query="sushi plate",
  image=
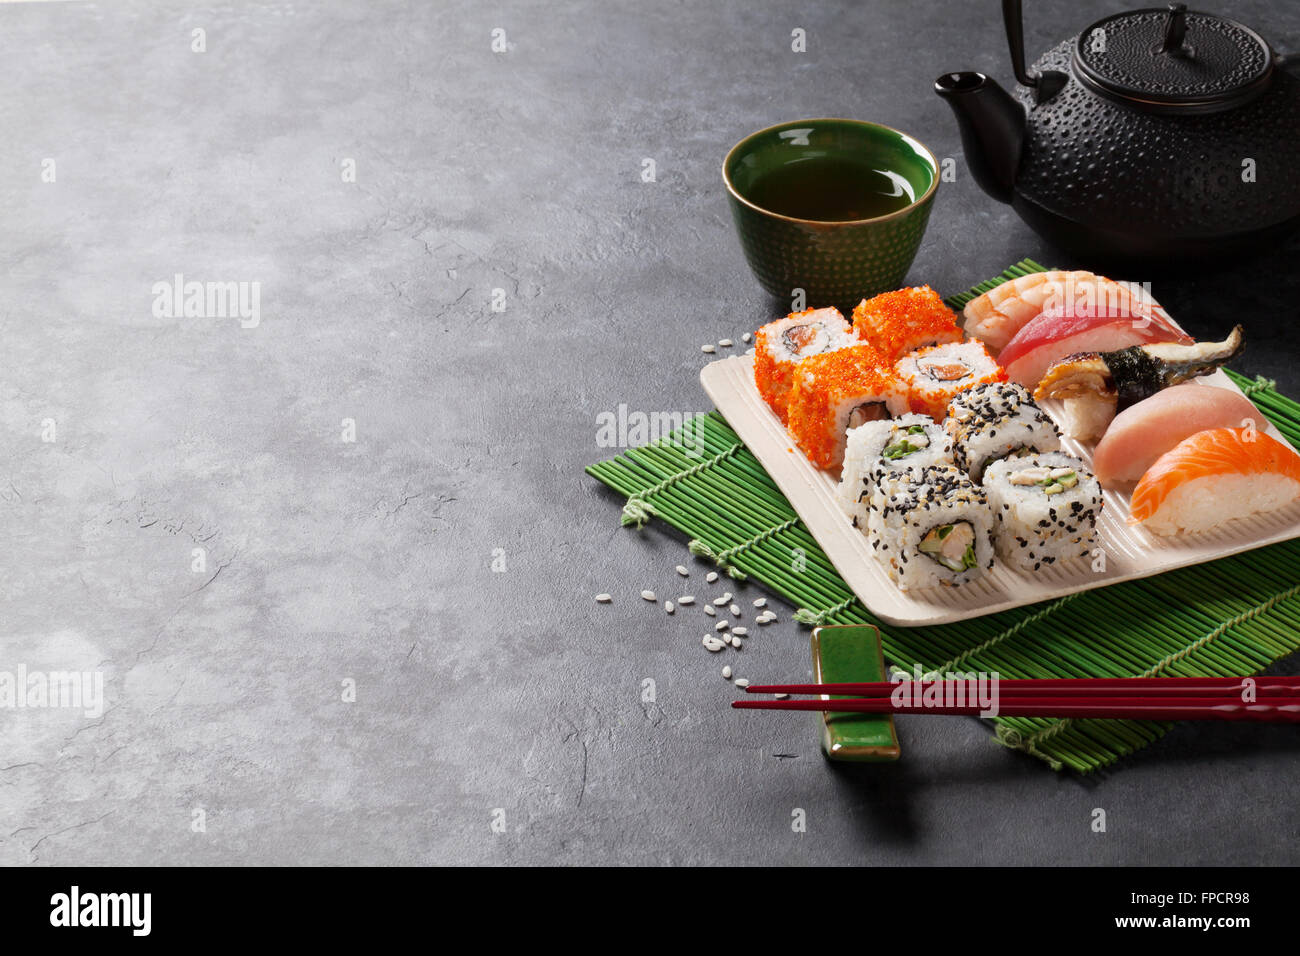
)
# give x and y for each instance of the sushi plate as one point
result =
(1125, 552)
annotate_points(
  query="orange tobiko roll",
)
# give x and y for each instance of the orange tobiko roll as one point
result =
(780, 346)
(838, 391)
(934, 375)
(900, 322)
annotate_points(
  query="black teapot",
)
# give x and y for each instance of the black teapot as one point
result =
(1154, 135)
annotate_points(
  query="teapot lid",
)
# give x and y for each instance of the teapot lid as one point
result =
(1174, 61)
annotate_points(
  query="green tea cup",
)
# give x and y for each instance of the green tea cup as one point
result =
(833, 207)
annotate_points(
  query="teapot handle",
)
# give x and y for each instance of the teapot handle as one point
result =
(1013, 19)
(1045, 85)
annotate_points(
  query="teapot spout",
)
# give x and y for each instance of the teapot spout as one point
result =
(992, 128)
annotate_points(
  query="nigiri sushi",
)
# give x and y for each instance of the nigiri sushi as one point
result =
(1097, 385)
(997, 315)
(1213, 477)
(1058, 332)
(1143, 432)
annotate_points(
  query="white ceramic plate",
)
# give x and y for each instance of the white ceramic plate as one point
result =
(1130, 552)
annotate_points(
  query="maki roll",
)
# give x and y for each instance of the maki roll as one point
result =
(994, 421)
(779, 347)
(878, 449)
(934, 528)
(936, 373)
(900, 322)
(838, 391)
(1045, 509)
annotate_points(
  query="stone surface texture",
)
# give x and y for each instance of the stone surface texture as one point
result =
(329, 564)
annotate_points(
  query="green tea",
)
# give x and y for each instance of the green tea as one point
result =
(828, 189)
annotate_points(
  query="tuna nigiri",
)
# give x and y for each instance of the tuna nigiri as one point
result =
(1213, 477)
(1056, 333)
(1143, 432)
(997, 315)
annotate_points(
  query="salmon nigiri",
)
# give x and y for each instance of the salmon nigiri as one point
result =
(1216, 476)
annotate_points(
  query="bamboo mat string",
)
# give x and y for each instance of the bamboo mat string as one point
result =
(1261, 384)
(723, 558)
(1261, 608)
(1044, 612)
(639, 510)
(817, 618)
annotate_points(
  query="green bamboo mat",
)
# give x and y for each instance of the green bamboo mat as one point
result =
(1232, 617)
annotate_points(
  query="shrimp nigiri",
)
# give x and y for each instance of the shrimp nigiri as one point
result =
(1213, 477)
(996, 316)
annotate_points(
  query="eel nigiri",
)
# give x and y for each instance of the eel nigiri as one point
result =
(1213, 477)
(997, 315)
(1097, 385)
(1143, 432)
(1056, 333)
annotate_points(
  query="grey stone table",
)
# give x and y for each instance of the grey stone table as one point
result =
(333, 557)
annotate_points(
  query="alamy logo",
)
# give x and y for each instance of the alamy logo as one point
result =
(102, 909)
(208, 300)
(628, 428)
(81, 690)
(962, 689)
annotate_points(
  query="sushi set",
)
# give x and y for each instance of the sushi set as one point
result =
(1063, 433)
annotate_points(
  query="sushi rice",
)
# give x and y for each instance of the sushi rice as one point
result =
(1045, 509)
(994, 421)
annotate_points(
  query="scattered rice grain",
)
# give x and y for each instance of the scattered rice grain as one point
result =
(603, 598)
(725, 343)
(735, 610)
(709, 611)
(726, 672)
(711, 576)
(686, 599)
(668, 606)
(649, 595)
(741, 682)
(760, 602)
(707, 348)
(681, 569)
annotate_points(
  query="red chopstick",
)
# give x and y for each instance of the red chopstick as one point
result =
(1067, 687)
(1275, 709)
